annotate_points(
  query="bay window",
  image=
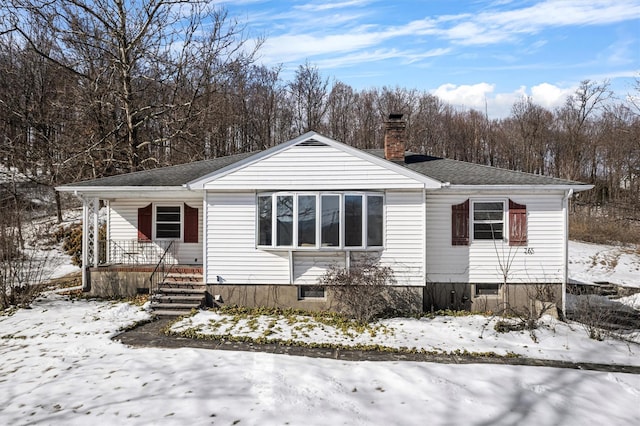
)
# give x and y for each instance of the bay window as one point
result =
(320, 220)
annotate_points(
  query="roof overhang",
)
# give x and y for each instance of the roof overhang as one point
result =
(516, 188)
(139, 192)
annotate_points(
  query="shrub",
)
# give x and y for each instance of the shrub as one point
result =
(359, 291)
(71, 238)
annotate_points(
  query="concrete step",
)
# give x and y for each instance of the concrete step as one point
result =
(169, 298)
(178, 294)
(185, 277)
(171, 312)
(175, 306)
(190, 284)
(180, 290)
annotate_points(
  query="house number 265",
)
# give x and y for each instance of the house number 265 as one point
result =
(529, 251)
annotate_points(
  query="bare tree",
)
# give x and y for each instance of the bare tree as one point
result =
(532, 124)
(576, 146)
(341, 114)
(309, 92)
(122, 51)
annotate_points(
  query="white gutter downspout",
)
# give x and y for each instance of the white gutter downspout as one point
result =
(565, 277)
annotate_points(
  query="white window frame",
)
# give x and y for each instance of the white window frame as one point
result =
(155, 221)
(318, 244)
(497, 294)
(312, 298)
(340, 220)
(473, 220)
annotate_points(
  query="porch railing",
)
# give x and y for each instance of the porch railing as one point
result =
(134, 252)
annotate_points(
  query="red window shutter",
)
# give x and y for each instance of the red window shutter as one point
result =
(517, 224)
(460, 224)
(190, 224)
(145, 215)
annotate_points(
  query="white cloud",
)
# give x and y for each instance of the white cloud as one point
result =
(317, 29)
(293, 47)
(322, 6)
(360, 58)
(498, 105)
(550, 96)
(470, 96)
(497, 26)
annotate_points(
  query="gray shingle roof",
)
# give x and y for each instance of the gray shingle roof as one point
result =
(463, 173)
(440, 169)
(166, 176)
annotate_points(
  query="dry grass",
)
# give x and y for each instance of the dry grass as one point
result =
(603, 230)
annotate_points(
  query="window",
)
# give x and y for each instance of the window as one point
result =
(374, 220)
(330, 220)
(168, 222)
(311, 292)
(306, 220)
(264, 220)
(284, 211)
(353, 220)
(317, 220)
(488, 220)
(487, 289)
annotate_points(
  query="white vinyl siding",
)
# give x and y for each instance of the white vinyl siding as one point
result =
(231, 244)
(405, 236)
(541, 260)
(123, 225)
(311, 168)
(310, 266)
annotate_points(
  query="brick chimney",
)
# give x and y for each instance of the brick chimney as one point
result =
(394, 144)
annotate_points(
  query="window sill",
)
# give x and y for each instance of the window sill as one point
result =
(319, 249)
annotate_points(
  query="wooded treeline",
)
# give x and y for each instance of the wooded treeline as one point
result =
(92, 88)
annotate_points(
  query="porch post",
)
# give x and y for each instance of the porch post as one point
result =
(90, 246)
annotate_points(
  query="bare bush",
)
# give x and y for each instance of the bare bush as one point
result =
(359, 291)
(604, 226)
(22, 269)
(22, 276)
(604, 318)
(594, 314)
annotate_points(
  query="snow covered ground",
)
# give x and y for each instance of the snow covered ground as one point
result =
(593, 263)
(58, 365)
(443, 334)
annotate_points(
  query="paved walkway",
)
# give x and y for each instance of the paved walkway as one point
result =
(151, 335)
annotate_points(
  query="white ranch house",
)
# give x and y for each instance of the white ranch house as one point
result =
(261, 228)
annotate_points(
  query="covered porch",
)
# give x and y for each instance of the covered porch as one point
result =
(118, 257)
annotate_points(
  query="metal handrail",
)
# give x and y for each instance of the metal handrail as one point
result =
(160, 267)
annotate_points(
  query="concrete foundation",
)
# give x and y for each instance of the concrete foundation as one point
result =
(512, 298)
(122, 281)
(126, 281)
(404, 299)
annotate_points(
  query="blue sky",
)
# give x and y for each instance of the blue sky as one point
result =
(466, 52)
